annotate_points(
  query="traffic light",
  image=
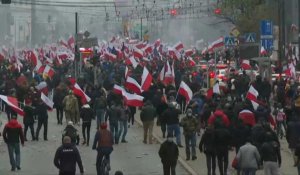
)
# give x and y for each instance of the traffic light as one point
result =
(6, 1)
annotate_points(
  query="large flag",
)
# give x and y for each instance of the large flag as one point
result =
(47, 100)
(168, 78)
(48, 71)
(133, 99)
(146, 79)
(133, 85)
(216, 44)
(214, 90)
(132, 61)
(79, 92)
(178, 46)
(252, 95)
(185, 91)
(13, 103)
(137, 53)
(191, 61)
(118, 89)
(246, 65)
(189, 52)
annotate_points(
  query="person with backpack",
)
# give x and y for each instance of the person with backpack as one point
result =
(86, 114)
(72, 132)
(100, 106)
(280, 122)
(71, 107)
(58, 104)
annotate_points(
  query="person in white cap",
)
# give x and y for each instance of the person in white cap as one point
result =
(72, 132)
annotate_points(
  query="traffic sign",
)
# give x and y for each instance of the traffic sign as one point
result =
(250, 37)
(266, 27)
(267, 43)
(229, 41)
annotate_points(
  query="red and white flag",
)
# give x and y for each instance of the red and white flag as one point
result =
(185, 91)
(146, 79)
(263, 51)
(71, 42)
(48, 71)
(13, 103)
(178, 46)
(246, 65)
(189, 52)
(118, 89)
(47, 100)
(126, 72)
(110, 56)
(133, 99)
(131, 61)
(148, 49)
(79, 92)
(41, 86)
(168, 78)
(133, 85)
(216, 44)
(157, 43)
(191, 61)
(216, 88)
(63, 42)
(252, 96)
(137, 53)
(162, 74)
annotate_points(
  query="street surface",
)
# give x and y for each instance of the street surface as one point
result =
(133, 158)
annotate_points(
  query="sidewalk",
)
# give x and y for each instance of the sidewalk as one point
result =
(198, 167)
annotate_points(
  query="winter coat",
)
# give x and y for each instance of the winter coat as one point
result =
(66, 157)
(58, 98)
(28, 115)
(168, 153)
(207, 142)
(87, 114)
(148, 113)
(103, 140)
(72, 132)
(189, 125)
(270, 151)
(42, 111)
(113, 114)
(293, 133)
(13, 132)
(171, 115)
(248, 156)
(222, 140)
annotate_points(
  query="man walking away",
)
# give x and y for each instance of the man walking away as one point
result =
(148, 114)
(58, 104)
(248, 158)
(113, 117)
(189, 124)
(28, 120)
(42, 113)
(168, 153)
(71, 107)
(71, 131)
(100, 108)
(86, 114)
(66, 157)
(270, 155)
(12, 134)
(124, 115)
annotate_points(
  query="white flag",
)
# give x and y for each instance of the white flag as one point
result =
(47, 101)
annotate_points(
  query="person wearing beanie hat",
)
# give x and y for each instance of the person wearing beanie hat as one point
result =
(168, 153)
(72, 132)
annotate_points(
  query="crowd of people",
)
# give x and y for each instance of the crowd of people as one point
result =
(224, 121)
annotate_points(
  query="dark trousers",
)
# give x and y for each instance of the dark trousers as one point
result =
(14, 154)
(100, 156)
(41, 123)
(86, 127)
(163, 127)
(59, 114)
(169, 169)
(67, 173)
(211, 163)
(223, 162)
(30, 126)
(114, 129)
(131, 118)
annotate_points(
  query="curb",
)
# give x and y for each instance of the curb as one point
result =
(180, 159)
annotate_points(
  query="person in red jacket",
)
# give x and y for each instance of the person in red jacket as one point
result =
(12, 134)
(218, 114)
(247, 117)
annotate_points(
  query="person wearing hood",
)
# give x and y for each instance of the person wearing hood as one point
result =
(71, 131)
(86, 114)
(66, 157)
(148, 115)
(219, 115)
(189, 124)
(270, 154)
(28, 119)
(168, 152)
(113, 116)
(42, 113)
(12, 135)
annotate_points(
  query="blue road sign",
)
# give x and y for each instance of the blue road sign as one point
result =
(267, 44)
(266, 27)
(229, 41)
(250, 37)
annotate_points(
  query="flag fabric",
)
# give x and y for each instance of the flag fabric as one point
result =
(191, 61)
(47, 100)
(246, 65)
(162, 74)
(71, 42)
(137, 53)
(126, 72)
(41, 86)
(133, 99)
(178, 46)
(48, 71)
(157, 43)
(252, 95)
(168, 78)
(110, 56)
(13, 103)
(189, 52)
(118, 89)
(79, 92)
(185, 91)
(216, 44)
(132, 61)
(216, 88)
(148, 49)
(133, 85)
(263, 51)
(146, 79)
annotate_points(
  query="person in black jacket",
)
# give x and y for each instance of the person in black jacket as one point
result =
(28, 120)
(207, 145)
(71, 131)
(87, 115)
(58, 98)
(168, 153)
(66, 157)
(42, 113)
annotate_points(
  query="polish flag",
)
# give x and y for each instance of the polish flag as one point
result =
(141, 45)
(47, 101)
(214, 90)
(174, 54)
(157, 43)
(263, 51)
(71, 42)
(63, 42)
(126, 72)
(49, 60)
(32, 56)
(118, 89)
(252, 95)
(133, 99)
(133, 85)
(148, 49)
(131, 61)
(216, 44)
(13, 103)
(178, 46)
(63, 55)
(42, 87)
(59, 61)
(189, 52)
(2, 57)
(185, 91)
(110, 56)
(169, 77)
(191, 61)
(246, 65)
(79, 92)
(137, 53)
(146, 79)
(40, 68)
(48, 71)
(204, 51)
(161, 74)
